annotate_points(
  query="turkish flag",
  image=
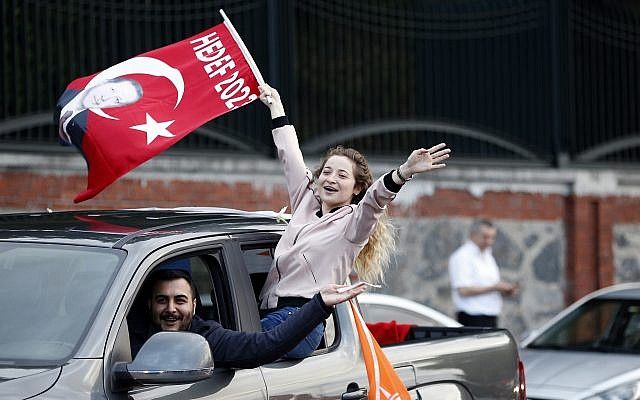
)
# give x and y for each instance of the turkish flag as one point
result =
(384, 382)
(122, 116)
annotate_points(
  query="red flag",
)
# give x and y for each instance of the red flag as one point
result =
(389, 332)
(384, 382)
(134, 110)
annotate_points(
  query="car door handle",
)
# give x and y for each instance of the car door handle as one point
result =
(354, 392)
(355, 395)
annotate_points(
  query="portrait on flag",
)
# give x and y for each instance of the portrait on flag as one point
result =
(126, 114)
(117, 92)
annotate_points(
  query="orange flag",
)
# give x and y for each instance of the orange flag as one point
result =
(384, 383)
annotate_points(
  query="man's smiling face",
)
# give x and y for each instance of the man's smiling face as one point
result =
(172, 305)
(114, 93)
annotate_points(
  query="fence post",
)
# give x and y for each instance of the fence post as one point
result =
(559, 20)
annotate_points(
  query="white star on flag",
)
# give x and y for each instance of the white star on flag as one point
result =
(153, 129)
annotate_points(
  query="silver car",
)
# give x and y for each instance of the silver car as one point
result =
(590, 351)
(378, 307)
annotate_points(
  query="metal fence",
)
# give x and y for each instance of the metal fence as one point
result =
(604, 84)
(539, 82)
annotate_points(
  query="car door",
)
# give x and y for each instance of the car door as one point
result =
(328, 373)
(223, 384)
(207, 263)
(333, 369)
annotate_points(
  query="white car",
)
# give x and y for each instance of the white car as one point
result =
(383, 308)
(590, 351)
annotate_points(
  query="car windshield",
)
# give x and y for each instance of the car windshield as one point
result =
(49, 295)
(600, 325)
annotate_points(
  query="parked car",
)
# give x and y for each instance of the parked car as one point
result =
(378, 307)
(590, 351)
(72, 290)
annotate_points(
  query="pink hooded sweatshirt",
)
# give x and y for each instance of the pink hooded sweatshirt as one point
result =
(316, 251)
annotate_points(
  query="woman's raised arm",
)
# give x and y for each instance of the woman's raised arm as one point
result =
(421, 160)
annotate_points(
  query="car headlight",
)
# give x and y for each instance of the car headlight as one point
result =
(625, 391)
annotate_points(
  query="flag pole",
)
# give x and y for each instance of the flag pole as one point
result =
(244, 50)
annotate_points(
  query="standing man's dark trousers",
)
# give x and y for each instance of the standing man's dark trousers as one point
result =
(487, 321)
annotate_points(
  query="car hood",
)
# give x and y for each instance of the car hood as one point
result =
(569, 371)
(22, 383)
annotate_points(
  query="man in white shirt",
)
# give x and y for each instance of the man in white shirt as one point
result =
(475, 279)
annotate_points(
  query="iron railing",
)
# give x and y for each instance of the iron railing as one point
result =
(543, 82)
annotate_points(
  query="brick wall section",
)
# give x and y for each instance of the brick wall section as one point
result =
(604, 234)
(582, 225)
(589, 220)
(497, 205)
(28, 191)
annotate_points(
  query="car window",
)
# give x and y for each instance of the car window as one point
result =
(204, 285)
(258, 259)
(212, 294)
(610, 325)
(631, 332)
(50, 294)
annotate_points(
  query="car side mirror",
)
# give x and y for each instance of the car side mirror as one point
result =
(166, 358)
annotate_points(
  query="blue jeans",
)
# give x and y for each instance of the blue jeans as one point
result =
(307, 345)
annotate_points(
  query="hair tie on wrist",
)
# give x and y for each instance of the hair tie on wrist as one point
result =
(402, 178)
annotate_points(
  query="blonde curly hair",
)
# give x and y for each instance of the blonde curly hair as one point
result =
(374, 259)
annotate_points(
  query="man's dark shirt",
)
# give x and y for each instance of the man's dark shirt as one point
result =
(235, 349)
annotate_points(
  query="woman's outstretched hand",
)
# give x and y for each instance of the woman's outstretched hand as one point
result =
(331, 296)
(423, 160)
(275, 106)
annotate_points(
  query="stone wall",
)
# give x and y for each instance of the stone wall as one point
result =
(626, 251)
(531, 253)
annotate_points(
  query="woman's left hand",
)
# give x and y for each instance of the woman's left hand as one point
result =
(422, 160)
(332, 296)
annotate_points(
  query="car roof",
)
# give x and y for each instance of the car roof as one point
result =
(621, 292)
(115, 228)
